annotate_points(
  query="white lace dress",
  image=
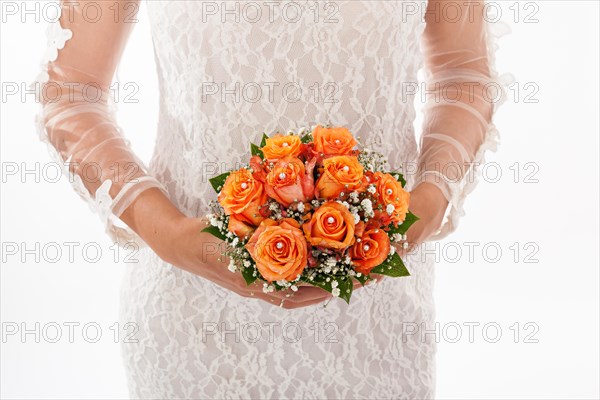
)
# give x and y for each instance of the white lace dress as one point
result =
(222, 83)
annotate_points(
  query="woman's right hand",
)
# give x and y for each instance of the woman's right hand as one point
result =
(201, 253)
(179, 240)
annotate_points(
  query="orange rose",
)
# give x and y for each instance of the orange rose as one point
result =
(331, 226)
(280, 146)
(279, 249)
(392, 197)
(340, 174)
(333, 141)
(259, 171)
(242, 196)
(372, 250)
(240, 228)
(289, 181)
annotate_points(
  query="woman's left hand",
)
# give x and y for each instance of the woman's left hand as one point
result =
(429, 204)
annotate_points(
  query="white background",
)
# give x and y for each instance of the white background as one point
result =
(557, 218)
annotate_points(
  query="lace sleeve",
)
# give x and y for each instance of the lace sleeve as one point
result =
(77, 118)
(463, 91)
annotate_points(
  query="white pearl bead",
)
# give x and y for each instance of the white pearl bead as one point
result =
(282, 175)
(366, 247)
(244, 185)
(279, 245)
(337, 141)
(285, 144)
(389, 191)
(346, 168)
(331, 220)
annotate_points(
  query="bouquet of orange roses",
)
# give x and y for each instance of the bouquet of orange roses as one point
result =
(309, 207)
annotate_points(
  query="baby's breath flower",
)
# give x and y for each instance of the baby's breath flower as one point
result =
(231, 266)
(367, 205)
(268, 288)
(331, 261)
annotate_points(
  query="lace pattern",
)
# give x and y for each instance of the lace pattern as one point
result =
(196, 340)
(222, 83)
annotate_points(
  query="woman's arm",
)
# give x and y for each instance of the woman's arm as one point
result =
(78, 122)
(463, 91)
(77, 118)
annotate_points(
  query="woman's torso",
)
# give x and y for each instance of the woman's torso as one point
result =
(197, 340)
(229, 71)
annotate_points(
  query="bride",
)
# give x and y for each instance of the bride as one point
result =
(227, 72)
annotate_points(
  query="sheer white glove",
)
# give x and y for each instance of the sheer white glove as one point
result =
(77, 119)
(462, 93)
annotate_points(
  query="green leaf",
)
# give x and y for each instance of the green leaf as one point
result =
(248, 274)
(318, 281)
(408, 221)
(306, 138)
(263, 141)
(213, 230)
(362, 279)
(256, 151)
(392, 266)
(344, 284)
(400, 178)
(218, 181)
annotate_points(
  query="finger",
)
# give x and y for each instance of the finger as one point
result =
(239, 285)
(303, 295)
(299, 304)
(307, 294)
(295, 302)
(375, 279)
